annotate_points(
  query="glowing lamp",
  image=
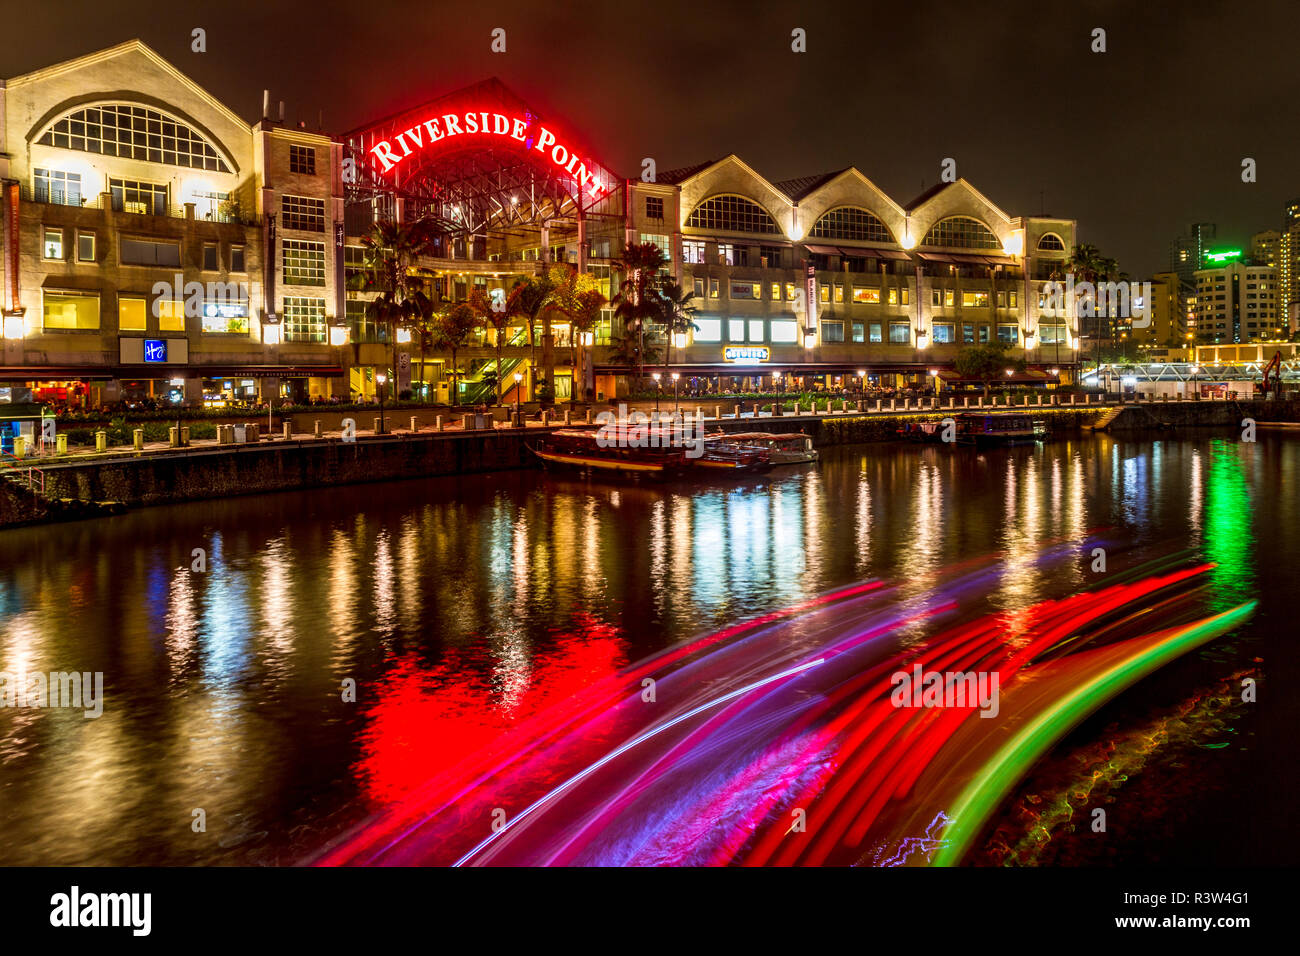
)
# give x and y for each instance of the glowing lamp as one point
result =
(381, 377)
(271, 334)
(809, 340)
(921, 338)
(679, 339)
(588, 338)
(1009, 373)
(676, 376)
(403, 336)
(15, 327)
(338, 335)
(908, 242)
(655, 376)
(519, 377)
(1029, 340)
(862, 373)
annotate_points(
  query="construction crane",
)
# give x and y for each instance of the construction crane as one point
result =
(1274, 367)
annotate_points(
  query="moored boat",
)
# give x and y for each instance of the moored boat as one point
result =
(785, 449)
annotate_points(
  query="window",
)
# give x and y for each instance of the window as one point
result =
(726, 255)
(693, 251)
(734, 214)
(142, 198)
(53, 186)
(968, 334)
(776, 292)
(824, 294)
(52, 244)
(858, 332)
(735, 330)
(654, 207)
(971, 300)
(944, 333)
(1051, 242)
(875, 332)
(756, 330)
(131, 313)
(85, 247)
(784, 331)
(708, 330)
(699, 288)
(147, 252)
(1051, 334)
(225, 315)
(302, 159)
(936, 298)
(961, 232)
(863, 294)
(839, 294)
(745, 290)
(302, 213)
(1008, 334)
(851, 222)
(214, 206)
(237, 259)
(304, 319)
(715, 290)
(832, 331)
(171, 314)
(63, 311)
(949, 296)
(134, 132)
(904, 296)
(304, 262)
(771, 256)
(210, 257)
(900, 333)
(891, 296)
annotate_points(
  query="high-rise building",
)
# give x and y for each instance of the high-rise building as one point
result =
(1236, 303)
(1186, 253)
(1265, 248)
(1168, 312)
(1289, 264)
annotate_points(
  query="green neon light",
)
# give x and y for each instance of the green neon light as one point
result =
(1221, 256)
(995, 780)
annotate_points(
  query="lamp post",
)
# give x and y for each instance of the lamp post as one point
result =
(676, 376)
(380, 379)
(519, 421)
(655, 376)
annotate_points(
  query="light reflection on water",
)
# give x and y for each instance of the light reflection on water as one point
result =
(461, 605)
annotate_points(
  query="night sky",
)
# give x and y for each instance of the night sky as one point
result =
(1135, 143)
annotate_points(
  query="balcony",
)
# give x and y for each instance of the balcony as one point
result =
(205, 211)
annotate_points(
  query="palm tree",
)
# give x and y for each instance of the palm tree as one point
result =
(496, 319)
(391, 249)
(678, 311)
(578, 299)
(638, 296)
(424, 328)
(454, 324)
(529, 299)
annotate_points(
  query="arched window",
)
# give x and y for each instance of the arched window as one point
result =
(1051, 242)
(962, 232)
(851, 222)
(732, 213)
(134, 132)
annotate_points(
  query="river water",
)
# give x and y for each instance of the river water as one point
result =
(461, 606)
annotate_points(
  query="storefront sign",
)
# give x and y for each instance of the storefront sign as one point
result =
(387, 154)
(155, 350)
(746, 354)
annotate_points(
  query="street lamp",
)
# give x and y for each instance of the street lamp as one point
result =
(380, 379)
(675, 402)
(519, 421)
(655, 376)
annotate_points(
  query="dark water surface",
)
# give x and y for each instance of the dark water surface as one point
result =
(461, 605)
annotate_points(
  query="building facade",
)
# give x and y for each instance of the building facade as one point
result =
(1237, 303)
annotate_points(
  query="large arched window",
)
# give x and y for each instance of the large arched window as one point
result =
(134, 132)
(851, 222)
(733, 214)
(1051, 242)
(961, 232)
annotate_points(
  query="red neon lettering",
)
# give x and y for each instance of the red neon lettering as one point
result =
(544, 139)
(501, 125)
(415, 135)
(452, 123)
(519, 130)
(406, 150)
(435, 133)
(555, 155)
(471, 122)
(386, 155)
(569, 168)
(484, 125)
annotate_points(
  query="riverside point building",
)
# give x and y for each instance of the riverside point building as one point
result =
(156, 243)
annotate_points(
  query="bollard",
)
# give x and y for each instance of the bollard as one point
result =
(880, 404)
(893, 404)
(568, 416)
(315, 429)
(717, 411)
(979, 401)
(907, 404)
(137, 439)
(377, 424)
(185, 436)
(174, 437)
(588, 416)
(20, 446)
(61, 444)
(288, 431)
(861, 405)
(415, 424)
(437, 423)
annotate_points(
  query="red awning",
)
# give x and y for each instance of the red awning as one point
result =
(822, 250)
(936, 257)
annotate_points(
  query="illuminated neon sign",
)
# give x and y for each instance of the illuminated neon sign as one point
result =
(448, 126)
(746, 354)
(1222, 256)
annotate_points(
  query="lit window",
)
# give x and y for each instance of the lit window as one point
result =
(732, 213)
(304, 319)
(875, 332)
(131, 314)
(693, 251)
(745, 290)
(756, 330)
(715, 289)
(857, 332)
(900, 333)
(944, 333)
(789, 292)
(171, 314)
(134, 132)
(735, 330)
(59, 188)
(708, 330)
(961, 232)
(65, 311)
(851, 222)
(304, 262)
(971, 300)
(863, 294)
(52, 246)
(839, 294)
(784, 331)
(302, 213)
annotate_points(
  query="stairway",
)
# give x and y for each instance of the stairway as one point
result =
(1111, 414)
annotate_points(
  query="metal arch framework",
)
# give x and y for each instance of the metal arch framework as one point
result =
(1192, 371)
(476, 184)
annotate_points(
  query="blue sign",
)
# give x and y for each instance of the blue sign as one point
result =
(155, 350)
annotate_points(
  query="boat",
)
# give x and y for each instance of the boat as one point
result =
(732, 456)
(983, 429)
(785, 449)
(598, 450)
